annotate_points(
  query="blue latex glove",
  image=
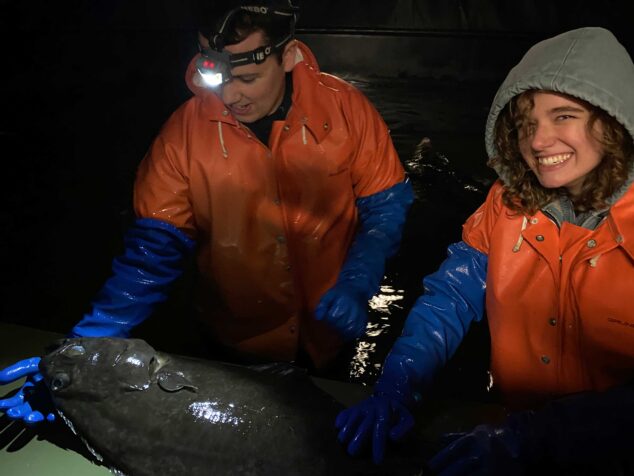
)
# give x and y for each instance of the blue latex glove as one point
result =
(381, 217)
(566, 435)
(22, 406)
(454, 297)
(151, 262)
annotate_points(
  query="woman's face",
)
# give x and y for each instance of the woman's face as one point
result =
(556, 143)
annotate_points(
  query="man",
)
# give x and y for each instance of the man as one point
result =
(285, 183)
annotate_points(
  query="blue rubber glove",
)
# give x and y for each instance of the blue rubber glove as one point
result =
(22, 406)
(385, 414)
(152, 260)
(566, 435)
(380, 416)
(381, 217)
(344, 307)
(454, 297)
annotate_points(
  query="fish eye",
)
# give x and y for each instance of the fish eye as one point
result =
(60, 381)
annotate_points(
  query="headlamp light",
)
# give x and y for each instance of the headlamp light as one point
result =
(214, 67)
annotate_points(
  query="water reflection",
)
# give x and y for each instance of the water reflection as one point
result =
(215, 413)
(364, 366)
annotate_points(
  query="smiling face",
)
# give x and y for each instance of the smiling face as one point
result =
(256, 90)
(556, 142)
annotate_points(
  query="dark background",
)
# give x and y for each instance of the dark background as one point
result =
(86, 85)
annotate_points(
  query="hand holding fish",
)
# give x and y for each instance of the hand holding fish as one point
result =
(344, 307)
(379, 415)
(23, 405)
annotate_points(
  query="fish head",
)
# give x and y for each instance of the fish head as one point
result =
(98, 368)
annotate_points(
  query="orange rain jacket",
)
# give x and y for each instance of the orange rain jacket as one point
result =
(273, 222)
(556, 296)
(557, 300)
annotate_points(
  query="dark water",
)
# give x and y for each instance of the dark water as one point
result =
(450, 179)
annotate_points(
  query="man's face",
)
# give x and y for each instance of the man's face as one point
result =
(256, 90)
(556, 143)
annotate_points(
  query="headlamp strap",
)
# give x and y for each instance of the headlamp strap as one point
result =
(218, 43)
(216, 58)
(256, 56)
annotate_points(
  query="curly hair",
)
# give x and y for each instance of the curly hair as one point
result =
(523, 192)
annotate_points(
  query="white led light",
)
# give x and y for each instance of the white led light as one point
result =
(212, 79)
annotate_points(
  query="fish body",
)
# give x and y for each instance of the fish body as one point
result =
(148, 413)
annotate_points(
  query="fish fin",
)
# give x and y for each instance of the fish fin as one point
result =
(280, 368)
(174, 382)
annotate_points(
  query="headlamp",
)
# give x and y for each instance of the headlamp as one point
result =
(215, 63)
(214, 67)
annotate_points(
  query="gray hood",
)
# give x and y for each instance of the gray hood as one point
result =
(588, 63)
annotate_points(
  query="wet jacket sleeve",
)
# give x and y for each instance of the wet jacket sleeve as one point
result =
(162, 189)
(454, 297)
(375, 166)
(153, 258)
(384, 196)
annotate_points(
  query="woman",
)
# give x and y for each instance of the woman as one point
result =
(550, 257)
